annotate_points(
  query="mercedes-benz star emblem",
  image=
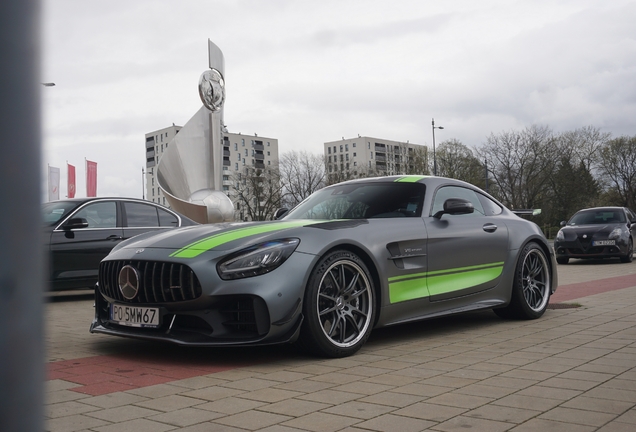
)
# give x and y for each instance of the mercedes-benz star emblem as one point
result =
(128, 282)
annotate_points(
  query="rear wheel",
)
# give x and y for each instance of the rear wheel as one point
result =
(339, 306)
(629, 257)
(531, 287)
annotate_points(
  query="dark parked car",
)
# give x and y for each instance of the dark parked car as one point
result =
(600, 232)
(353, 256)
(80, 232)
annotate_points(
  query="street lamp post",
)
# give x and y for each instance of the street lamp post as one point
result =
(434, 157)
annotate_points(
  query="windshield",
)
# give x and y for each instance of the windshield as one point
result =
(52, 212)
(596, 217)
(362, 201)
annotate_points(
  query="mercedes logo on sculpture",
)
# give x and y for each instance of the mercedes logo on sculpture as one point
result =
(128, 282)
(212, 90)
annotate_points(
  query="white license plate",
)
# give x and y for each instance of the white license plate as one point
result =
(604, 243)
(134, 316)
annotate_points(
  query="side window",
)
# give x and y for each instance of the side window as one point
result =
(99, 215)
(167, 219)
(491, 208)
(141, 215)
(447, 192)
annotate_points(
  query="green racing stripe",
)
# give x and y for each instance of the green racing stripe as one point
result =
(410, 179)
(420, 285)
(197, 248)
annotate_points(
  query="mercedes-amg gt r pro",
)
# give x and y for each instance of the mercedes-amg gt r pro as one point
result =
(353, 256)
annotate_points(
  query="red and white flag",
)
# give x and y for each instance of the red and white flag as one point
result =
(70, 183)
(54, 183)
(91, 178)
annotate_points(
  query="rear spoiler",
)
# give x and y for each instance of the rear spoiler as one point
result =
(527, 212)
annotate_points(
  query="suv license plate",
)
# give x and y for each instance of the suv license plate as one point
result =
(604, 243)
(134, 316)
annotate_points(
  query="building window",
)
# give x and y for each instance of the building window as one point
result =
(371, 155)
(347, 156)
(368, 145)
(245, 152)
(267, 143)
(334, 149)
(235, 146)
(354, 154)
(239, 157)
(268, 154)
(354, 145)
(346, 147)
(329, 150)
(355, 163)
(340, 148)
(236, 167)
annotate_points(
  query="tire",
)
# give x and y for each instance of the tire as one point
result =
(339, 306)
(629, 257)
(531, 286)
(563, 260)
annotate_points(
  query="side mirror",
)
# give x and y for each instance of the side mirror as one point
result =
(455, 206)
(75, 223)
(563, 223)
(280, 213)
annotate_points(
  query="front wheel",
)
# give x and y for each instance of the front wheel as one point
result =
(339, 306)
(531, 286)
(629, 257)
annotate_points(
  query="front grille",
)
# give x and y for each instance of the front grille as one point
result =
(159, 282)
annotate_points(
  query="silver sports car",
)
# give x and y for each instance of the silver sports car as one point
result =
(353, 256)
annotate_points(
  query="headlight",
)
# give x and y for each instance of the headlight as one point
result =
(257, 260)
(560, 236)
(616, 234)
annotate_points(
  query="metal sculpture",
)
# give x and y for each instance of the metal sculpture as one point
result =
(190, 170)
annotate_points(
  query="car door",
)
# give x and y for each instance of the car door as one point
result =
(466, 252)
(140, 218)
(77, 252)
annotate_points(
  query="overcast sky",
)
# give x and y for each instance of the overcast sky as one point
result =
(308, 72)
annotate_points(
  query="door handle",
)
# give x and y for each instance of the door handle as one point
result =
(114, 237)
(490, 227)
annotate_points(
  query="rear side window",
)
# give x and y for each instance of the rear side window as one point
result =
(141, 215)
(167, 219)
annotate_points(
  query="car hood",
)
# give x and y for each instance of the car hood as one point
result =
(192, 241)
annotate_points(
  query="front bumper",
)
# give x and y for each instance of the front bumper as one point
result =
(577, 249)
(235, 320)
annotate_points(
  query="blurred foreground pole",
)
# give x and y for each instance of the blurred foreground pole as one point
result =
(21, 252)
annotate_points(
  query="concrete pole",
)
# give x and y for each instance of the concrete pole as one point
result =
(21, 250)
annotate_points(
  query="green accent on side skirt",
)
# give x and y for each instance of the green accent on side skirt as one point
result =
(197, 248)
(420, 285)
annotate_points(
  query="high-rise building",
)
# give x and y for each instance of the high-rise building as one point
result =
(156, 144)
(365, 157)
(239, 152)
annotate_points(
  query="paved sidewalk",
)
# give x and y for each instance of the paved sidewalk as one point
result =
(572, 370)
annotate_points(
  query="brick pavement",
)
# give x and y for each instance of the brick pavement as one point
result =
(572, 370)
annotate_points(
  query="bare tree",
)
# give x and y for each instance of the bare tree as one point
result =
(583, 145)
(521, 164)
(257, 193)
(457, 161)
(417, 163)
(618, 164)
(301, 174)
